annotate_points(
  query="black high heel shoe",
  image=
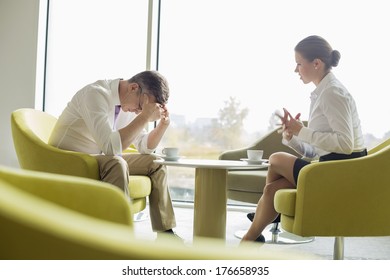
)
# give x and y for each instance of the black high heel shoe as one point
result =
(261, 237)
(251, 216)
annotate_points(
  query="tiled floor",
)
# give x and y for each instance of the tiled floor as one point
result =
(371, 248)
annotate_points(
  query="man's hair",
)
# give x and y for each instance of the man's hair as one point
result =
(154, 83)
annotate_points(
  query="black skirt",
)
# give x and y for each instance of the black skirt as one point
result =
(300, 163)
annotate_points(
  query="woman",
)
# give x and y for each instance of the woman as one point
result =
(333, 131)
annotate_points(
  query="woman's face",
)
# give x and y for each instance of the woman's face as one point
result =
(304, 68)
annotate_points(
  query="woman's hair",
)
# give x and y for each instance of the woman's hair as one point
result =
(154, 83)
(313, 47)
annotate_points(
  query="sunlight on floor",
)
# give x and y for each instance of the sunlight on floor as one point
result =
(355, 248)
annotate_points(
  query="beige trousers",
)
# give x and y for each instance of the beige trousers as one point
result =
(116, 170)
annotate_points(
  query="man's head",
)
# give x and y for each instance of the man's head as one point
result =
(152, 82)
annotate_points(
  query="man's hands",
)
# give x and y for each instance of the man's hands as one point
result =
(155, 111)
(151, 112)
(290, 125)
(165, 119)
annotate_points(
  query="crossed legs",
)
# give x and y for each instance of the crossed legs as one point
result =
(279, 176)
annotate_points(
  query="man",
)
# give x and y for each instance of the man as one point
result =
(106, 117)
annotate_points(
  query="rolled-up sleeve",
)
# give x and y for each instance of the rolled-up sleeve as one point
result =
(141, 140)
(141, 143)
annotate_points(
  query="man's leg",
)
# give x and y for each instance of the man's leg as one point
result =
(114, 170)
(161, 210)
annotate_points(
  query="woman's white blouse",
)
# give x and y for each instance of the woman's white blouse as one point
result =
(333, 125)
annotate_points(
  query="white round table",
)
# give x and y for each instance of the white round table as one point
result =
(210, 200)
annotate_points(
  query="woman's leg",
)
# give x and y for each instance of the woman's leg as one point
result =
(279, 176)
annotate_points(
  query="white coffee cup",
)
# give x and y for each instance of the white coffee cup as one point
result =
(255, 154)
(171, 152)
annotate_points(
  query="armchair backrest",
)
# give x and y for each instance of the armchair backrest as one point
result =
(31, 130)
(379, 147)
(271, 143)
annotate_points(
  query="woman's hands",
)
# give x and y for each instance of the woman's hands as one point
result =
(290, 125)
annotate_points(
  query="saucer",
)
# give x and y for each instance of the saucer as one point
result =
(175, 158)
(254, 161)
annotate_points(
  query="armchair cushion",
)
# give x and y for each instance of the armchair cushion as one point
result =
(246, 185)
(139, 186)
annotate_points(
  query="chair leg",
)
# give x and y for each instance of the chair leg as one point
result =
(275, 232)
(338, 251)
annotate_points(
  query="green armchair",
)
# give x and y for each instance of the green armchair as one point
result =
(31, 130)
(47, 216)
(342, 198)
(247, 186)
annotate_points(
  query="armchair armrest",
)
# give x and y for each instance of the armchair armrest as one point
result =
(91, 197)
(234, 154)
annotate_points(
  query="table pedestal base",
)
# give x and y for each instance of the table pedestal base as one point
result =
(210, 202)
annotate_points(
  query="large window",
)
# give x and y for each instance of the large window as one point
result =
(214, 50)
(91, 40)
(233, 61)
(230, 64)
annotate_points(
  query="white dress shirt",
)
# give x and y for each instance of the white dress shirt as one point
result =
(333, 125)
(87, 123)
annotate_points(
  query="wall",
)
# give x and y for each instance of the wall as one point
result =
(18, 57)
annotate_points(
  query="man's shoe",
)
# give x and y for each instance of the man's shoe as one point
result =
(171, 233)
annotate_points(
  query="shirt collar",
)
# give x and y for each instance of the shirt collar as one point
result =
(114, 86)
(321, 86)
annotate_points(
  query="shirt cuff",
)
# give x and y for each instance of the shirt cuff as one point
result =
(305, 134)
(293, 142)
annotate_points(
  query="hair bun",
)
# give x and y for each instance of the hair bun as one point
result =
(335, 57)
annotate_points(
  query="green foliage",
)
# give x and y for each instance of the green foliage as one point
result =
(208, 138)
(229, 127)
